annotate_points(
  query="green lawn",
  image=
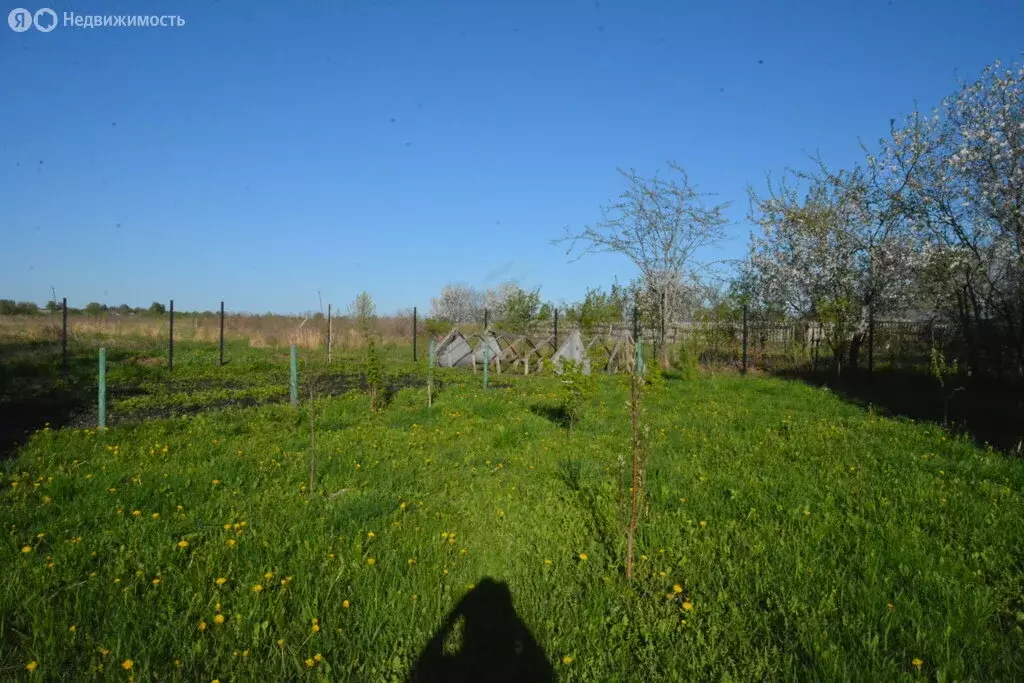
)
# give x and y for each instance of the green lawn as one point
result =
(809, 539)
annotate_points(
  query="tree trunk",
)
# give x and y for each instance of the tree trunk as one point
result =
(855, 344)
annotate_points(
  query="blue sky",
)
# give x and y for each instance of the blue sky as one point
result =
(265, 151)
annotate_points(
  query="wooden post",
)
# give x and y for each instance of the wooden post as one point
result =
(329, 325)
(413, 334)
(222, 333)
(486, 313)
(170, 341)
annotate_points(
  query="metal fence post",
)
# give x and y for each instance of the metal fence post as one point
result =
(871, 338)
(294, 380)
(329, 325)
(102, 397)
(487, 360)
(744, 339)
(430, 373)
(413, 334)
(64, 340)
(222, 333)
(170, 341)
(556, 329)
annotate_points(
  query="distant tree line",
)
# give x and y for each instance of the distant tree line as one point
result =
(10, 307)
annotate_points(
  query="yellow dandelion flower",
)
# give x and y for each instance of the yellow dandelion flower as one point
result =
(202, 626)
(32, 666)
(245, 653)
(411, 561)
(703, 523)
(183, 544)
(345, 604)
(220, 581)
(127, 665)
(231, 542)
(26, 549)
(318, 657)
(268, 575)
(280, 642)
(156, 582)
(219, 619)
(136, 513)
(917, 662)
(677, 588)
(227, 527)
(104, 652)
(156, 515)
(371, 535)
(316, 628)
(216, 482)
(567, 659)
(72, 628)
(310, 663)
(547, 562)
(258, 588)
(643, 558)
(584, 557)
(687, 605)
(371, 561)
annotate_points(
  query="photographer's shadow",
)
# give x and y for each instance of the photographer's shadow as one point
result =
(495, 644)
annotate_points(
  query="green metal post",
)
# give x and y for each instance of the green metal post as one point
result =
(103, 390)
(430, 373)
(487, 361)
(294, 377)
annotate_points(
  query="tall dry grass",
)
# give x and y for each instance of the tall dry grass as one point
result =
(259, 331)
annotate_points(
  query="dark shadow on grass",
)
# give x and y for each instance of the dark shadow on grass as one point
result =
(990, 414)
(555, 414)
(34, 393)
(495, 643)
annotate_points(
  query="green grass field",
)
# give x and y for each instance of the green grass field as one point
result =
(787, 534)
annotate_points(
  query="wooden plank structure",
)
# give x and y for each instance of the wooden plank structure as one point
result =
(573, 350)
(454, 351)
(527, 352)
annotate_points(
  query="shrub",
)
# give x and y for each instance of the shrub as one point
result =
(685, 362)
